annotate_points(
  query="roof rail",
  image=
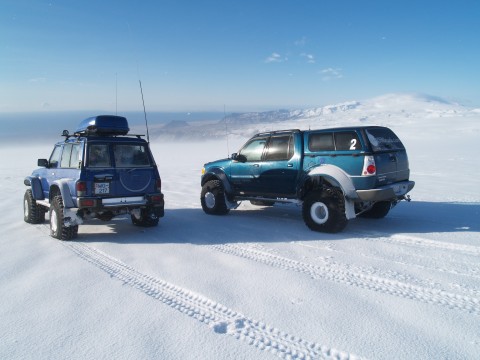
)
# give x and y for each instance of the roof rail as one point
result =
(277, 132)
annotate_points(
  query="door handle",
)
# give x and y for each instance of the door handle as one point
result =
(256, 165)
(289, 165)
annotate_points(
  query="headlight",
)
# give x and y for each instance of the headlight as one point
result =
(203, 171)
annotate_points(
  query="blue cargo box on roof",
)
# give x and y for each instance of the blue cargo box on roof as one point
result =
(103, 125)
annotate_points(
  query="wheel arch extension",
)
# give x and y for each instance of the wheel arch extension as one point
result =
(217, 174)
(61, 186)
(335, 177)
(36, 186)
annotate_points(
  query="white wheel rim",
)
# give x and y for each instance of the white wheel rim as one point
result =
(26, 208)
(210, 200)
(53, 221)
(319, 213)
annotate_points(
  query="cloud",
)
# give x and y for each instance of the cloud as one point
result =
(331, 73)
(310, 58)
(37, 80)
(275, 57)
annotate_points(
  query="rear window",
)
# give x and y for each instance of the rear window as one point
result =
(130, 155)
(383, 139)
(99, 156)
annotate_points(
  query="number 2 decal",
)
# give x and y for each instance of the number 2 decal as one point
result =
(353, 144)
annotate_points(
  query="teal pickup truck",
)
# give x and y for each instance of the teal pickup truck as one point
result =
(335, 174)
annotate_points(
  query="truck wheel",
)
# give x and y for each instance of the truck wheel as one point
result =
(379, 210)
(32, 213)
(212, 198)
(324, 210)
(58, 229)
(145, 220)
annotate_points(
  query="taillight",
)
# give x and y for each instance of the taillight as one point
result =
(369, 167)
(158, 184)
(81, 187)
(156, 198)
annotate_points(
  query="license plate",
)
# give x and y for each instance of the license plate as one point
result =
(102, 188)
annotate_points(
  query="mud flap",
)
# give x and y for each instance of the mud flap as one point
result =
(349, 209)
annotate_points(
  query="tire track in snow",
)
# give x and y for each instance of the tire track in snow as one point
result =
(421, 243)
(416, 259)
(336, 273)
(218, 317)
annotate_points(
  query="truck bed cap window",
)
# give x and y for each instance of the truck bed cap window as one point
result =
(383, 139)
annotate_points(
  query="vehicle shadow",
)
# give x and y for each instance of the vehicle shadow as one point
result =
(281, 223)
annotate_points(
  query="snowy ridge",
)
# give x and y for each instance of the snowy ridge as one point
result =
(218, 317)
(386, 110)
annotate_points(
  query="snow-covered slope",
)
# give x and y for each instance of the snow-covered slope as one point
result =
(257, 284)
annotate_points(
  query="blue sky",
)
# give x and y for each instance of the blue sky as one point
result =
(244, 55)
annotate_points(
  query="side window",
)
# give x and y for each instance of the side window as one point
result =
(54, 160)
(75, 158)
(253, 150)
(67, 151)
(98, 155)
(280, 148)
(347, 141)
(321, 142)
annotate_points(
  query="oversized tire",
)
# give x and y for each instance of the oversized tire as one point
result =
(145, 220)
(32, 212)
(324, 210)
(58, 229)
(212, 198)
(378, 211)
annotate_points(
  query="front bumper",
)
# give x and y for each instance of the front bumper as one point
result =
(387, 192)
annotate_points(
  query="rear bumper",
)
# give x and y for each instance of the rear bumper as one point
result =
(387, 192)
(155, 201)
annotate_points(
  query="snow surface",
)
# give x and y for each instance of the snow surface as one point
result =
(257, 283)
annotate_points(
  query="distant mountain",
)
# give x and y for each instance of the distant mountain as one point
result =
(381, 110)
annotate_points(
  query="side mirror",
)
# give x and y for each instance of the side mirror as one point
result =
(42, 162)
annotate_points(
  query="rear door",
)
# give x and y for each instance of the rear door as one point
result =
(134, 166)
(119, 169)
(390, 155)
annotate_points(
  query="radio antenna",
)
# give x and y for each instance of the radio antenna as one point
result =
(144, 111)
(226, 129)
(116, 94)
(140, 82)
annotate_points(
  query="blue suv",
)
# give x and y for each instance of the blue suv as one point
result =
(98, 172)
